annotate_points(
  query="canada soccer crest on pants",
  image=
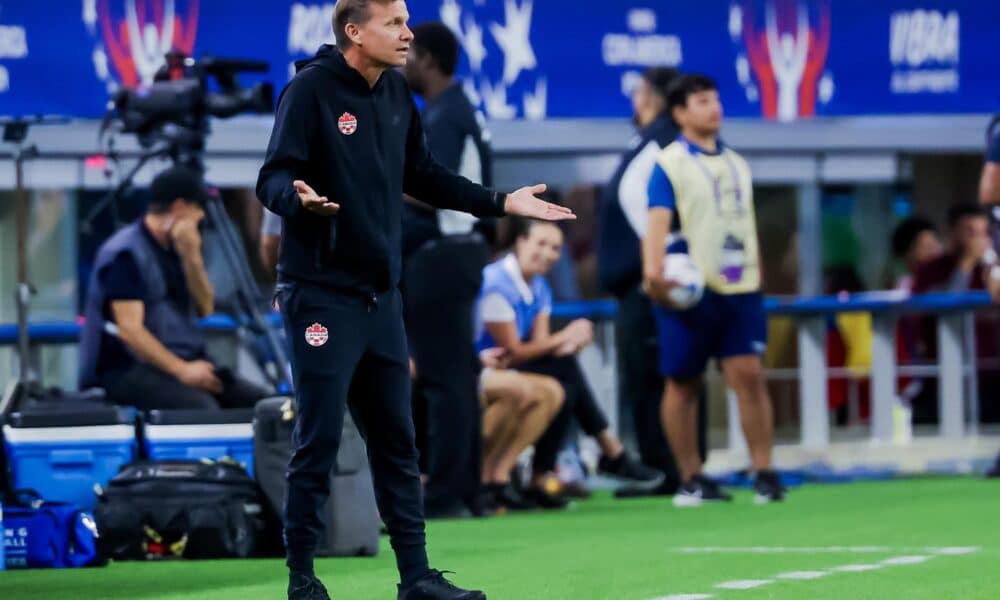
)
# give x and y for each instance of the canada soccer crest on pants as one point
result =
(316, 335)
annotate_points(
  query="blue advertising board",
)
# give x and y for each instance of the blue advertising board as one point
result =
(776, 59)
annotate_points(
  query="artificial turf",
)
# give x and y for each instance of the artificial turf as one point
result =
(640, 550)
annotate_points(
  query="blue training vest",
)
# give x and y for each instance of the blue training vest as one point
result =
(175, 329)
(497, 279)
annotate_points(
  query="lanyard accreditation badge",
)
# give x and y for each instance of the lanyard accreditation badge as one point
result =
(733, 251)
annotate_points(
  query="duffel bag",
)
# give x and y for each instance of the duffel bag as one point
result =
(179, 509)
(52, 535)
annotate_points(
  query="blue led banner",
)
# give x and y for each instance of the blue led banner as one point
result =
(777, 59)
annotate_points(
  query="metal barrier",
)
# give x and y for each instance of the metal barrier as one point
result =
(956, 355)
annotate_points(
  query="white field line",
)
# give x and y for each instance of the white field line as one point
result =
(906, 560)
(859, 568)
(954, 550)
(945, 550)
(747, 584)
(803, 575)
(743, 584)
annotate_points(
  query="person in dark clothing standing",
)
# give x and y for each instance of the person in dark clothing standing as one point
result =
(619, 263)
(347, 143)
(141, 341)
(443, 259)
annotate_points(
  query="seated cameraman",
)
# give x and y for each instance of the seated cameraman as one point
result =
(141, 341)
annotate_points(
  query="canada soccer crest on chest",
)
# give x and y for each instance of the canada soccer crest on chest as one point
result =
(348, 123)
(316, 335)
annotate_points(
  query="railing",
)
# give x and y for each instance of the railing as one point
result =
(956, 357)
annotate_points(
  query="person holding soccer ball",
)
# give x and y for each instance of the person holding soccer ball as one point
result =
(701, 199)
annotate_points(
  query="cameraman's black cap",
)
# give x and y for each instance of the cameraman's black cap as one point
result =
(179, 181)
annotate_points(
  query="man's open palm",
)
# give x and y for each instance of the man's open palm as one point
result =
(313, 202)
(524, 203)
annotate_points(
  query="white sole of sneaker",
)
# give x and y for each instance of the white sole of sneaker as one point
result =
(761, 499)
(683, 501)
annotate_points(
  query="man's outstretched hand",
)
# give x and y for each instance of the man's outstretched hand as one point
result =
(524, 203)
(313, 202)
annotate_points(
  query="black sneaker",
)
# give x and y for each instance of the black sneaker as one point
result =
(544, 499)
(576, 490)
(305, 587)
(768, 488)
(994, 471)
(626, 468)
(669, 487)
(456, 511)
(698, 490)
(483, 503)
(507, 498)
(433, 586)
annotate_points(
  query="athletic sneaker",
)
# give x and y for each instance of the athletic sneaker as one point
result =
(626, 468)
(433, 586)
(994, 471)
(506, 497)
(305, 587)
(544, 499)
(669, 487)
(575, 490)
(768, 488)
(698, 490)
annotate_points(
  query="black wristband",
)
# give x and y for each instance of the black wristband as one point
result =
(500, 201)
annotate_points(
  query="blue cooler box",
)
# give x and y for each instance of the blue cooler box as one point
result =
(64, 454)
(200, 434)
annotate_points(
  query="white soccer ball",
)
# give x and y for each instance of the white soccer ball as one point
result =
(679, 268)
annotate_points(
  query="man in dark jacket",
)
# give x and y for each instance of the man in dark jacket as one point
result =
(619, 263)
(347, 143)
(443, 257)
(141, 340)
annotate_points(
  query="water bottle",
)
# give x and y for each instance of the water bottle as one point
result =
(3, 540)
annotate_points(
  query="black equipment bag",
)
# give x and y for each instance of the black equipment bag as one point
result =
(350, 518)
(179, 509)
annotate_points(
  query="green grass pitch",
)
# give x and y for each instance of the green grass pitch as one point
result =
(865, 540)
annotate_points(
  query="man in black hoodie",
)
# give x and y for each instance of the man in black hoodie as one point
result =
(347, 143)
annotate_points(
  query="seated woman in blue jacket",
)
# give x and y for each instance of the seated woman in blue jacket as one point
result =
(514, 312)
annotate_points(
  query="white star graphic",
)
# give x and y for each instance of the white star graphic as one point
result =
(473, 44)
(514, 41)
(472, 93)
(735, 21)
(826, 88)
(536, 104)
(451, 16)
(495, 102)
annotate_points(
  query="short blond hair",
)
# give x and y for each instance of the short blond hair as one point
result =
(351, 11)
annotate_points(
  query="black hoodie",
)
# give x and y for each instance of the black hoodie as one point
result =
(362, 148)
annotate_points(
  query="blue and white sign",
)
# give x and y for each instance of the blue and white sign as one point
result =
(535, 59)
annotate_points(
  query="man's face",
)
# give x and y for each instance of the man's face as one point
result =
(415, 70)
(385, 37)
(183, 210)
(540, 249)
(972, 234)
(702, 113)
(925, 248)
(641, 99)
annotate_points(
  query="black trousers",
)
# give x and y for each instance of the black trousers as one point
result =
(350, 346)
(440, 287)
(640, 384)
(147, 388)
(580, 404)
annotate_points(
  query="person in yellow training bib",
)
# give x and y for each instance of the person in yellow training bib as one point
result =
(701, 203)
